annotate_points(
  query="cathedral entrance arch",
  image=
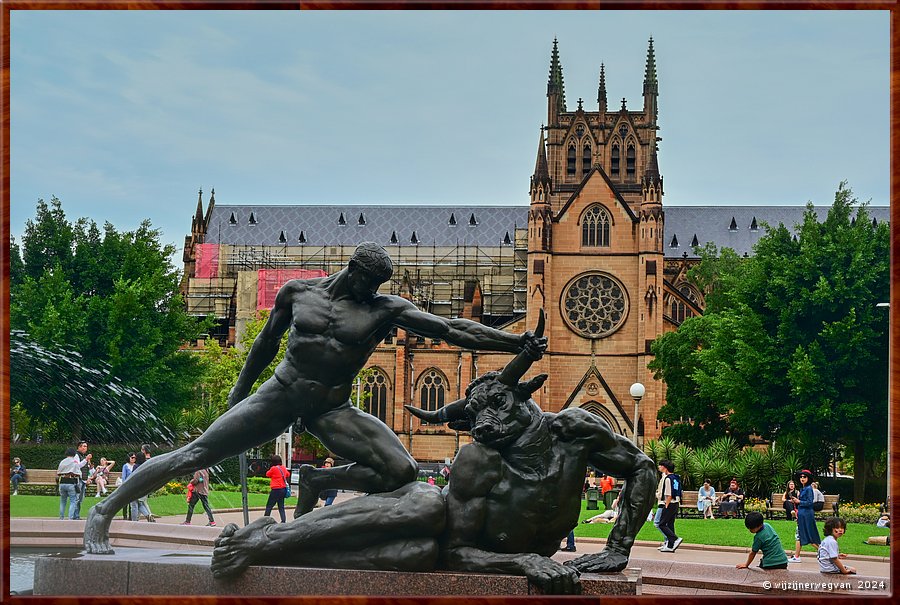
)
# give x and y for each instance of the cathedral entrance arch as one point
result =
(598, 409)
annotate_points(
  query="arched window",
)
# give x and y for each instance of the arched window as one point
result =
(678, 311)
(595, 227)
(629, 162)
(375, 386)
(586, 160)
(570, 163)
(432, 390)
(614, 161)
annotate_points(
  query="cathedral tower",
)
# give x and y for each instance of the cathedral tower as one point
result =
(595, 229)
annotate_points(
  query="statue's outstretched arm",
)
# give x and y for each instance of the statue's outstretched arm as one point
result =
(460, 332)
(266, 345)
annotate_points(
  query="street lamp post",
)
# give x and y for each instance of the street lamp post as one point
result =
(637, 391)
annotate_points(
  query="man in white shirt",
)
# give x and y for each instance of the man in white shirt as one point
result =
(69, 475)
(82, 458)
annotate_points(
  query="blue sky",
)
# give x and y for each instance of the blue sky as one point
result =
(125, 115)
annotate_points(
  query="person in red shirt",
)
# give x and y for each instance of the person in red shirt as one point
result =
(607, 482)
(278, 476)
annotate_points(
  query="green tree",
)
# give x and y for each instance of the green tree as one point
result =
(793, 347)
(112, 298)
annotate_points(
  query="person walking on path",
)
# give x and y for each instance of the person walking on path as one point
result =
(334, 324)
(200, 493)
(807, 532)
(329, 495)
(278, 481)
(16, 475)
(139, 507)
(84, 468)
(68, 473)
(669, 499)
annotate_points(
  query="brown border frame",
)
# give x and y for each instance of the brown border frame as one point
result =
(894, 339)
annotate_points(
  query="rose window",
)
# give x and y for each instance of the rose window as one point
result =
(595, 305)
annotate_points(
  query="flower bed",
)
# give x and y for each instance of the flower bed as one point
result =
(859, 513)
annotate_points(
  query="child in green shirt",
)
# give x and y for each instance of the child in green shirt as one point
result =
(766, 540)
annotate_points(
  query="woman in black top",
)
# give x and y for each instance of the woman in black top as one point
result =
(790, 512)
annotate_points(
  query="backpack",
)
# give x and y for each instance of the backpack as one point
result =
(675, 482)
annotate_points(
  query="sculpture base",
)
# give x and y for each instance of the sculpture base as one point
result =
(141, 571)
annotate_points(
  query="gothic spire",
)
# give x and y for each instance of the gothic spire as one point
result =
(555, 84)
(650, 70)
(198, 215)
(601, 89)
(651, 85)
(541, 171)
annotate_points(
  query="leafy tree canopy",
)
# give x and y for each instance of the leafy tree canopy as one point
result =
(110, 296)
(792, 345)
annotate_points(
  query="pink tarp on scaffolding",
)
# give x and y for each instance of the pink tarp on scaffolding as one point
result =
(270, 280)
(207, 260)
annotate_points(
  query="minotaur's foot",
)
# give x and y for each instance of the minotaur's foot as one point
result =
(96, 532)
(308, 496)
(235, 549)
(604, 562)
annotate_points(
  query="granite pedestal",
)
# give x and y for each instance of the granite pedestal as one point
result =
(140, 571)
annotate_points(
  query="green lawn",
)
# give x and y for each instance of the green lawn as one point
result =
(48, 506)
(723, 532)
(732, 532)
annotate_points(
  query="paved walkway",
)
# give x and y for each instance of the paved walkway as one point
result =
(692, 570)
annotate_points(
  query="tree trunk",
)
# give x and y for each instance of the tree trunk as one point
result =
(859, 471)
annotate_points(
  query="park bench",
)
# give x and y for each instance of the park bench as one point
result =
(43, 481)
(832, 501)
(774, 506)
(688, 506)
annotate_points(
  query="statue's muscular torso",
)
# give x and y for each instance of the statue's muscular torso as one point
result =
(329, 341)
(522, 511)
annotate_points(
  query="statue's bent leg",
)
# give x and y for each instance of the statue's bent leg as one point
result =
(623, 459)
(382, 527)
(380, 463)
(259, 418)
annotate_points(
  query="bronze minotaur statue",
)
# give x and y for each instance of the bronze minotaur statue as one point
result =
(513, 495)
(334, 323)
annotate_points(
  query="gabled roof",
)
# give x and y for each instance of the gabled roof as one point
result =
(597, 168)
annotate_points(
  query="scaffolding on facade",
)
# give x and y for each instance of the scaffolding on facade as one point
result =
(436, 278)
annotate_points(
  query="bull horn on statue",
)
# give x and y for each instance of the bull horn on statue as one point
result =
(449, 413)
(516, 368)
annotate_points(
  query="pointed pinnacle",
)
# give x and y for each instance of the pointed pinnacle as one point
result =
(541, 171)
(556, 76)
(601, 89)
(650, 70)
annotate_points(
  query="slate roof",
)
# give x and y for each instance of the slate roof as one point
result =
(431, 224)
(321, 225)
(714, 223)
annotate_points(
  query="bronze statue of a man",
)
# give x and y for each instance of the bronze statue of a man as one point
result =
(334, 324)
